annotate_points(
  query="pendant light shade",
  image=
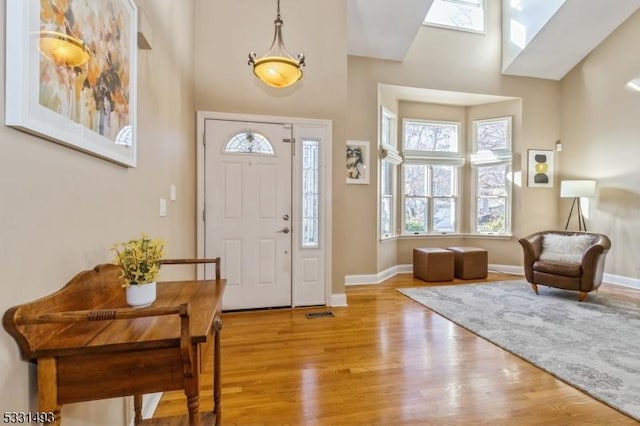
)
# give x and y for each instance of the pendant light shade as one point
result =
(277, 68)
(63, 49)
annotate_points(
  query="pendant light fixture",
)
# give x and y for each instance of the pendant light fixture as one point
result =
(277, 68)
(63, 49)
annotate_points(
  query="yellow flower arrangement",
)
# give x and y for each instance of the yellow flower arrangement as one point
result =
(139, 259)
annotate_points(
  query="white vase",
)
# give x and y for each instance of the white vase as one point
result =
(141, 295)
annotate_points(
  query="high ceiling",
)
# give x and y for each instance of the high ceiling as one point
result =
(558, 33)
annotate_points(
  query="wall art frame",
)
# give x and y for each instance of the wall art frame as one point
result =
(540, 168)
(357, 162)
(91, 106)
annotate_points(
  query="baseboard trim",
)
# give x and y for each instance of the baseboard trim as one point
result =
(379, 277)
(507, 269)
(622, 281)
(370, 279)
(338, 299)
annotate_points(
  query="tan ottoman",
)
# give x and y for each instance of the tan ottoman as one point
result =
(433, 264)
(470, 262)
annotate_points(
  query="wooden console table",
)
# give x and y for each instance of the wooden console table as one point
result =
(88, 345)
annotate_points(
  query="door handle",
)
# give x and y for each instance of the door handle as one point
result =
(285, 230)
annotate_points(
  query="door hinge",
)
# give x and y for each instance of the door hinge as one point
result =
(204, 215)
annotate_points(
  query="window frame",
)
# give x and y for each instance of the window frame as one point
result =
(315, 176)
(430, 198)
(415, 153)
(430, 159)
(487, 159)
(388, 140)
(483, 7)
(229, 146)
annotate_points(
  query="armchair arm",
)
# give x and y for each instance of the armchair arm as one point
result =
(531, 249)
(593, 263)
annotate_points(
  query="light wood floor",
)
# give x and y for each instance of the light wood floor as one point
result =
(383, 360)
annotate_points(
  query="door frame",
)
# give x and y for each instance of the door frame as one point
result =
(299, 124)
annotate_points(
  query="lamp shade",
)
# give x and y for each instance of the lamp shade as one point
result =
(277, 71)
(277, 68)
(577, 188)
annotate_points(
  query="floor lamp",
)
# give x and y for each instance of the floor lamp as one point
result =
(576, 189)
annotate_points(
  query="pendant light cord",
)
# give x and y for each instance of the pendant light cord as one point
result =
(278, 9)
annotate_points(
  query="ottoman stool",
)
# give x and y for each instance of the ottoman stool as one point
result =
(433, 264)
(470, 262)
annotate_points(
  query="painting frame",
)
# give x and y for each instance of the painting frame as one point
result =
(540, 168)
(65, 103)
(357, 161)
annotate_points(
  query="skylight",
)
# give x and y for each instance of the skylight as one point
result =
(465, 15)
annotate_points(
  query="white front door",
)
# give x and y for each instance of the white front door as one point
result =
(248, 210)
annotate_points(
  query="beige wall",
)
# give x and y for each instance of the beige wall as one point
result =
(61, 210)
(470, 63)
(600, 137)
(225, 83)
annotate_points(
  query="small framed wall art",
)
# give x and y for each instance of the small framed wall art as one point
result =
(540, 168)
(357, 162)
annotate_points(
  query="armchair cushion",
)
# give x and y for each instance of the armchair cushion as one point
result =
(564, 248)
(557, 268)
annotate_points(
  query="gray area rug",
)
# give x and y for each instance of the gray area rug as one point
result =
(593, 345)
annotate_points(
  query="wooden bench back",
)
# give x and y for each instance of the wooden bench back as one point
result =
(99, 287)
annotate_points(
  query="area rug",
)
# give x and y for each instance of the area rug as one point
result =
(593, 345)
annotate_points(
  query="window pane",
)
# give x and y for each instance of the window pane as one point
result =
(387, 178)
(463, 14)
(310, 193)
(492, 213)
(442, 181)
(415, 215)
(436, 137)
(249, 143)
(492, 180)
(444, 215)
(415, 179)
(493, 135)
(385, 216)
(385, 130)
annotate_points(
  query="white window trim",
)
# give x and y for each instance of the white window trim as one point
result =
(436, 155)
(492, 158)
(391, 143)
(456, 189)
(432, 158)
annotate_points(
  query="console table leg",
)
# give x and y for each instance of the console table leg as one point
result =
(217, 388)
(48, 389)
(193, 404)
(137, 407)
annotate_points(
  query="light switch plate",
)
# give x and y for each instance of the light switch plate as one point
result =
(163, 207)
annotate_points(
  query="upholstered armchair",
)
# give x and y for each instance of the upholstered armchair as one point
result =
(565, 260)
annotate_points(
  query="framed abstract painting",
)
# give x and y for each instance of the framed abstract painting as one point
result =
(71, 74)
(540, 168)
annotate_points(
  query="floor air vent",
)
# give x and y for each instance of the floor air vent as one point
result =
(313, 315)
